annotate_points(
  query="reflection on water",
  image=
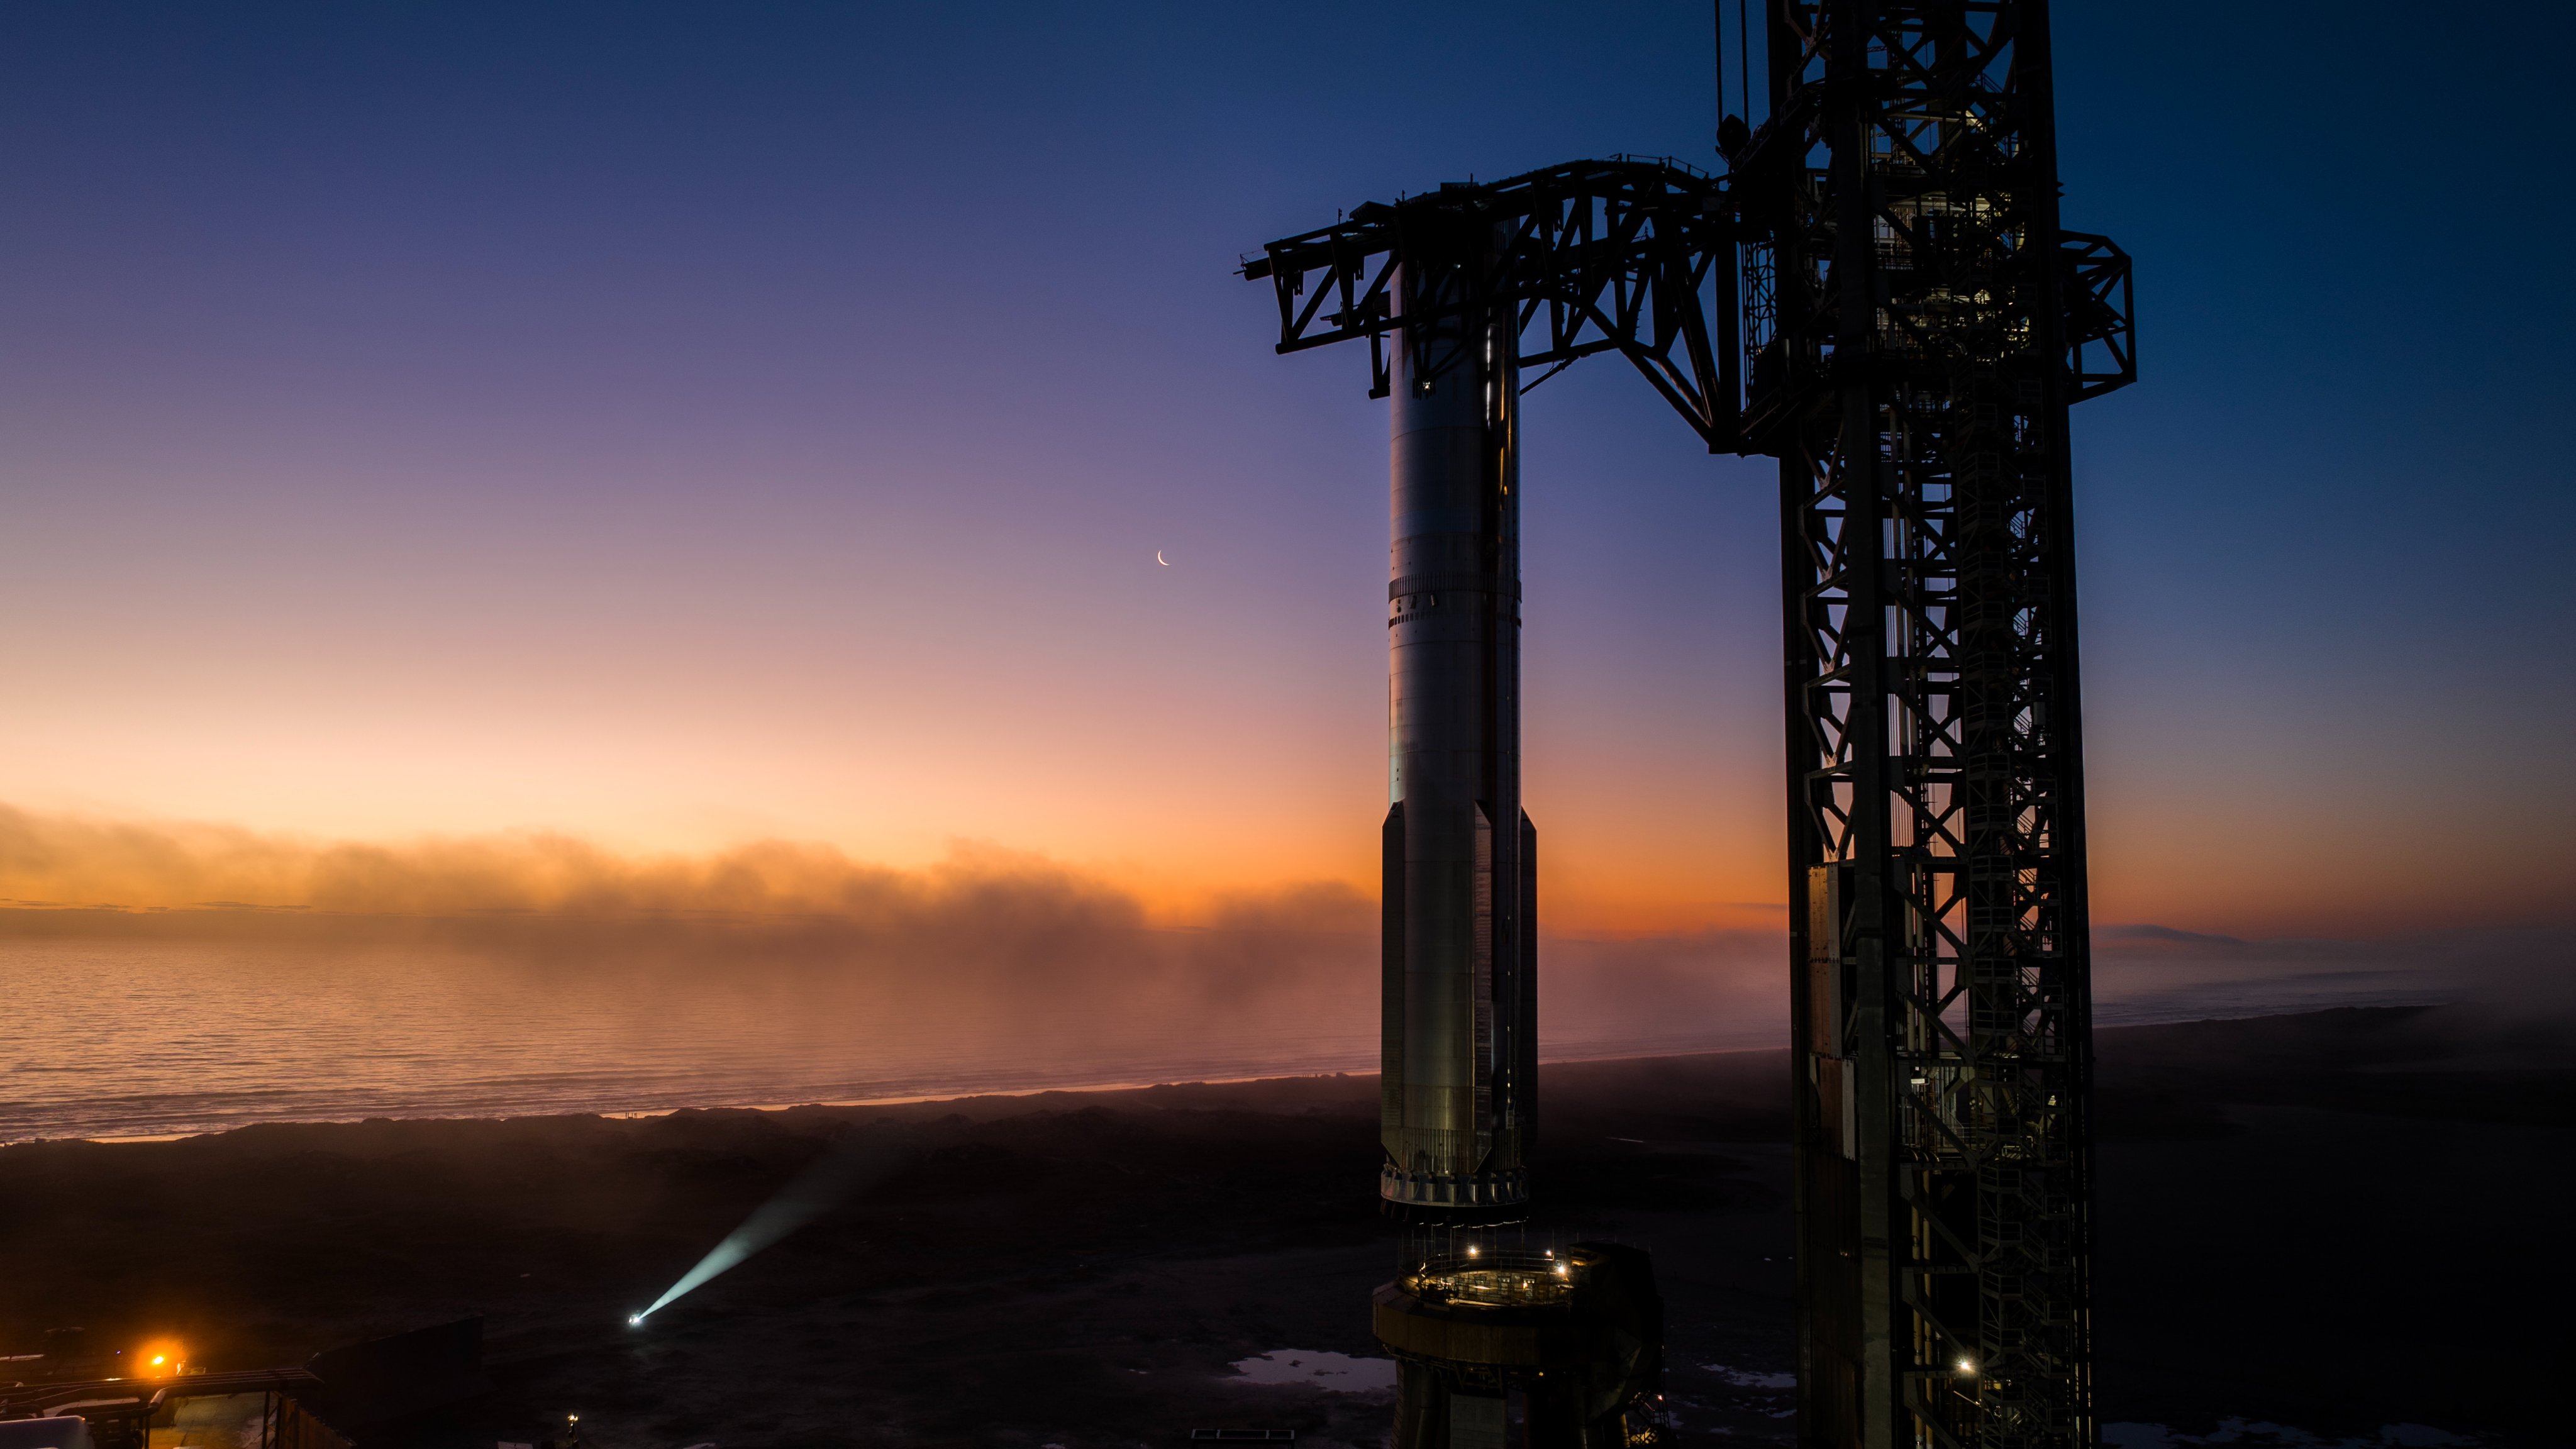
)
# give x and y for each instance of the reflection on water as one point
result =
(1338, 1373)
(129, 1039)
(150, 1038)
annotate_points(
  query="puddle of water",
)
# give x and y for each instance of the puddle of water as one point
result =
(1749, 1379)
(1336, 1373)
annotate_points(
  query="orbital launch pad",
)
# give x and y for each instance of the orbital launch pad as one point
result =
(1495, 1346)
(1498, 1343)
(1878, 294)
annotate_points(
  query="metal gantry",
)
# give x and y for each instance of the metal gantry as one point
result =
(1922, 327)
(1879, 294)
(1626, 255)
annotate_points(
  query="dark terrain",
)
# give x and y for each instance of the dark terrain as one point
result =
(2338, 1222)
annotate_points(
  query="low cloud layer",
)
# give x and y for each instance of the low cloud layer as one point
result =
(779, 947)
(986, 942)
(59, 862)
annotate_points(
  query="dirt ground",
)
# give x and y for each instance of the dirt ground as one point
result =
(2335, 1222)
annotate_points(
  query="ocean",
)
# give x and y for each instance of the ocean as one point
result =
(142, 1039)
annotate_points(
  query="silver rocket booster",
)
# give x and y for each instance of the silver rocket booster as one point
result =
(1460, 1045)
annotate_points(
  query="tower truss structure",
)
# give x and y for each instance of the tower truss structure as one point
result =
(1629, 255)
(1878, 293)
(1918, 326)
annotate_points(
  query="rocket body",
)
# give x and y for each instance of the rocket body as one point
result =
(1459, 1050)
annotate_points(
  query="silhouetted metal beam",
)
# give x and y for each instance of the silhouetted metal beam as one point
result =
(1626, 256)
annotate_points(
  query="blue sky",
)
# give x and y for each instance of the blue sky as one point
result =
(686, 425)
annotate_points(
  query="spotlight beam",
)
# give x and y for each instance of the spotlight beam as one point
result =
(848, 1167)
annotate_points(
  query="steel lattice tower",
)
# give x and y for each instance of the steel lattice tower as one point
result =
(1879, 295)
(1917, 327)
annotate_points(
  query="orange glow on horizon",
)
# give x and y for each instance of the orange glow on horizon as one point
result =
(1600, 878)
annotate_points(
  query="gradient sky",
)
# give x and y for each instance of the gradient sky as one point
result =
(686, 425)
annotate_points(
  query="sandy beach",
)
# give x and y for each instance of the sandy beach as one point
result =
(2335, 1222)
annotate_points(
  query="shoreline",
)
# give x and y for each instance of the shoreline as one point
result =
(1015, 1094)
(1575, 1056)
(2157, 1014)
(1049, 1266)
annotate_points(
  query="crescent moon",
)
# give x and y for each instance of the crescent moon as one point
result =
(1158, 558)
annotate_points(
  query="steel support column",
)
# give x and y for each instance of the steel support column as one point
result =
(1911, 365)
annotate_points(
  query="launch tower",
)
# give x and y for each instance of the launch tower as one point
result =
(1916, 326)
(1879, 295)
